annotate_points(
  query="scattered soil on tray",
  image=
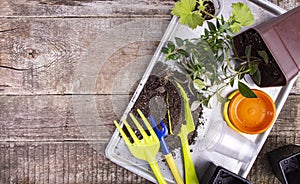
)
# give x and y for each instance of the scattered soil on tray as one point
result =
(157, 96)
(271, 75)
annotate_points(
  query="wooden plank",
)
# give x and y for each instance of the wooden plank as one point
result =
(61, 58)
(88, 8)
(43, 138)
(261, 172)
(56, 118)
(59, 163)
(34, 127)
(286, 4)
(58, 55)
(102, 8)
(285, 131)
(63, 118)
(55, 50)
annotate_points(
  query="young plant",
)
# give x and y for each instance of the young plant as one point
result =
(207, 60)
(191, 12)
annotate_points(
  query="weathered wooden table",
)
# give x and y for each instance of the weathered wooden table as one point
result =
(46, 52)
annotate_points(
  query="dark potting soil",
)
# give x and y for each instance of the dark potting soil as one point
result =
(209, 8)
(157, 96)
(271, 75)
(161, 94)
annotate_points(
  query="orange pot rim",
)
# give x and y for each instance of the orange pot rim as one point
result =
(250, 115)
(225, 111)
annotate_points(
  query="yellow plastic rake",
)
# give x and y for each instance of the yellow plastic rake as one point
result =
(146, 148)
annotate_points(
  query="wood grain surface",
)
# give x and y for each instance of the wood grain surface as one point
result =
(49, 76)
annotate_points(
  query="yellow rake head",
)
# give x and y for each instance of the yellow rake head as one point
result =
(145, 148)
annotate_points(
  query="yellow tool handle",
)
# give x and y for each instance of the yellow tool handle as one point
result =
(189, 169)
(159, 177)
(174, 169)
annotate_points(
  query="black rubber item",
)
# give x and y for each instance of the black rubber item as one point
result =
(219, 175)
(285, 163)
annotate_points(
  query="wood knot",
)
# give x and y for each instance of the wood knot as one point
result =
(38, 52)
(31, 53)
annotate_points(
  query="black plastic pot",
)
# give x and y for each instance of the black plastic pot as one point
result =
(280, 39)
(285, 163)
(219, 175)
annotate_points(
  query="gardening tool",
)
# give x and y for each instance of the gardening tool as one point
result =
(161, 134)
(146, 148)
(190, 174)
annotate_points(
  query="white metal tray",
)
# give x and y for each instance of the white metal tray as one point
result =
(117, 151)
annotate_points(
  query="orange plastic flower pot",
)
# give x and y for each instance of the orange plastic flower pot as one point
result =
(251, 115)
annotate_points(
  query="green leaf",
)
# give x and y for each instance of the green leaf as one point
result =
(221, 99)
(218, 24)
(241, 16)
(253, 68)
(257, 77)
(171, 46)
(211, 26)
(165, 50)
(222, 19)
(183, 52)
(194, 76)
(206, 32)
(193, 20)
(231, 82)
(201, 5)
(179, 41)
(221, 57)
(205, 101)
(229, 33)
(264, 55)
(245, 90)
(241, 76)
(198, 84)
(235, 27)
(248, 52)
(173, 56)
(184, 9)
(195, 105)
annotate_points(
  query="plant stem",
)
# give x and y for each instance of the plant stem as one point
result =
(209, 14)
